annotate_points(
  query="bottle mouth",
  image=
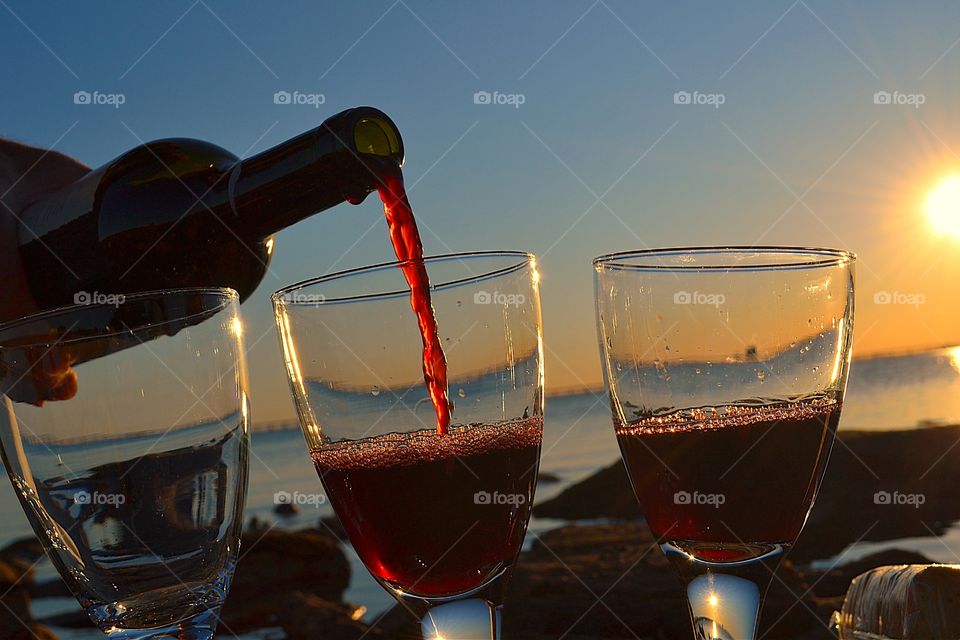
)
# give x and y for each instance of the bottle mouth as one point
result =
(376, 135)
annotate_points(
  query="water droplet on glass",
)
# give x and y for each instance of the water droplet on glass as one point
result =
(375, 390)
(761, 375)
(462, 393)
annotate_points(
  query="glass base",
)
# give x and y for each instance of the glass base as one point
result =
(724, 598)
(200, 627)
(474, 615)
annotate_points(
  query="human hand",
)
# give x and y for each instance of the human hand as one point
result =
(26, 175)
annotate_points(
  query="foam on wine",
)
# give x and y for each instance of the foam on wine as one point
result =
(406, 243)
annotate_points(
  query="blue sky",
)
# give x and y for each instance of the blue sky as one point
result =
(598, 158)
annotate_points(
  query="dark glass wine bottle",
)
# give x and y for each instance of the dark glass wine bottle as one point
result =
(186, 213)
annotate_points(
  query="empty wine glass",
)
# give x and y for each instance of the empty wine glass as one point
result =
(726, 369)
(438, 520)
(124, 431)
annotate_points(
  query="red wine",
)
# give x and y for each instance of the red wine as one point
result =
(406, 243)
(435, 515)
(186, 213)
(715, 479)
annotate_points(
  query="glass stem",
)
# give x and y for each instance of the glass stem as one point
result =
(471, 619)
(724, 606)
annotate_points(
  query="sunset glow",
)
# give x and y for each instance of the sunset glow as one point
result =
(943, 206)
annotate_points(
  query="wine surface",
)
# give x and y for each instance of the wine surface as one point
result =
(432, 515)
(716, 480)
(406, 243)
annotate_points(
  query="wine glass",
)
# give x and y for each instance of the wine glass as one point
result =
(438, 520)
(726, 368)
(125, 435)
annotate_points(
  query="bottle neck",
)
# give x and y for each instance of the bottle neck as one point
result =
(338, 161)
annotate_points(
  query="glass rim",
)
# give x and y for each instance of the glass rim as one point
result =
(225, 292)
(795, 258)
(523, 258)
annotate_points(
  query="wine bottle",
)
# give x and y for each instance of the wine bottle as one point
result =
(186, 213)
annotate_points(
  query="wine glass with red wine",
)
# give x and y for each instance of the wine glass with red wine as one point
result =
(726, 369)
(124, 432)
(436, 513)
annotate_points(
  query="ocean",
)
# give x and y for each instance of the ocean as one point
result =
(884, 393)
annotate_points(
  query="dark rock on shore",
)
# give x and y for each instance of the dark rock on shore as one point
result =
(286, 510)
(16, 580)
(548, 478)
(277, 567)
(878, 486)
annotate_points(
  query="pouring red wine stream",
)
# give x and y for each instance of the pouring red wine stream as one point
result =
(406, 243)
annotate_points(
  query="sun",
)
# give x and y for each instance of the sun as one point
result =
(943, 206)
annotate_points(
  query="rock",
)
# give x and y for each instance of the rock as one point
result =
(834, 582)
(548, 478)
(299, 614)
(605, 494)
(274, 564)
(333, 526)
(308, 617)
(16, 579)
(286, 510)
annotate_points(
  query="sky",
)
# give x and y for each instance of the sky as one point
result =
(610, 126)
